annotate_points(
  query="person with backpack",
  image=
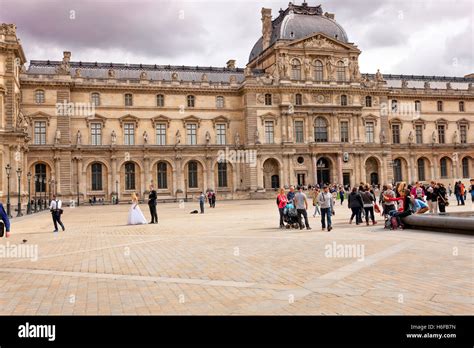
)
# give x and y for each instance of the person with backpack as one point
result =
(281, 201)
(355, 203)
(4, 223)
(56, 212)
(368, 199)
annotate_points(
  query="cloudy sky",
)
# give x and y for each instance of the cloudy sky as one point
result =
(426, 37)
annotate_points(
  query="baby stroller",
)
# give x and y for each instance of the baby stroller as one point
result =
(290, 216)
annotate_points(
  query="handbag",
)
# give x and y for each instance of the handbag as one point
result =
(377, 208)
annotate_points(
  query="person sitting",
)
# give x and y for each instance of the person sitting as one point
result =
(404, 209)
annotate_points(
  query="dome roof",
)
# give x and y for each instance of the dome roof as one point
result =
(297, 22)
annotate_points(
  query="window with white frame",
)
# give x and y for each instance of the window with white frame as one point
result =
(95, 99)
(369, 132)
(219, 102)
(129, 133)
(96, 133)
(221, 133)
(40, 132)
(299, 132)
(269, 132)
(191, 134)
(161, 134)
(39, 96)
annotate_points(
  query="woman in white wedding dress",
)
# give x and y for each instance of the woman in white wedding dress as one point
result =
(135, 215)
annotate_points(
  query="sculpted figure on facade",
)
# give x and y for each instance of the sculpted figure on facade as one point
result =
(208, 138)
(178, 137)
(354, 69)
(433, 137)
(143, 75)
(379, 76)
(307, 68)
(145, 137)
(411, 138)
(427, 85)
(174, 76)
(331, 68)
(111, 73)
(448, 86)
(455, 137)
(257, 137)
(204, 78)
(237, 139)
(404, 84)
(113, 137)
(57, 137)
(78, 138)
(382, 137)
(77, 73)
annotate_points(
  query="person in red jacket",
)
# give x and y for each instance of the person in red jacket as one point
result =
(282, 200)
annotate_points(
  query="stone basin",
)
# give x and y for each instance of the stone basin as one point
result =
(460, 222)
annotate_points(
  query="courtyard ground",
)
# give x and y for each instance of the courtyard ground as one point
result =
(231, 260)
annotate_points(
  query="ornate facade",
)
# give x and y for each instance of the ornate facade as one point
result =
(299, 113)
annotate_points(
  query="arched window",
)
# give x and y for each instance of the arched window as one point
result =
(219, 102)
(421, 169)
(298, 99)
(268, 99)
(443, 167)
(321, 130)
(440, 105)
(95, 99)
(465, 167)
(40, 173)
(368, 101)
(222, 174)
(130, 176)
(343, 100)
(192, 174)
(341, 71)
(191, 101)
(295, 69)
(160, 100)
(318, 70)
(417, 105)
(96, 178)
(39, 96)
(162, 175)
(128, 99)
(461, 106)
(397, 170)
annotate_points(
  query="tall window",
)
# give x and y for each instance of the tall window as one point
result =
(394, 106)
(161, 134)
(160, 100)
(441, 134)
(461, 106)
(463, 133)
(343, 100)
(219, 102)
(369, 132)
(222, 174)
(321, 130)
(128, 99)
(341, 71)
(95, 99)
(396, 134)
(368, 101)
(269, 134)
(130, 176)
(299, 131)
(40, 173)
(39, 96)
(298, 99)
(221, 134)
(191, 101)
(444, 167)
(268, 99)
(397, 170)
(440, 105)
(465, 167)
(191, 135)
(96, 133)
(318, 70)
(193, 174)
(417, 105)
(295, 69)
(162, 175)
(344, 131)
(421, 169)
(129, 133)
(419, 133)
(40, 132)
(96, 179)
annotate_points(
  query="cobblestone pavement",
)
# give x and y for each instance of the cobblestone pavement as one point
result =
(231, 260)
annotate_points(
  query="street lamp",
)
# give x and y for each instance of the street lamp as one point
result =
(78, 193)
(36, 199)
(116, 192)
(28, 209)
(320, 166)
(43, 189)
(18, 172)
(8, 169)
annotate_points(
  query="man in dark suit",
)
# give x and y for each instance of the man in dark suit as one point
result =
(152, 205)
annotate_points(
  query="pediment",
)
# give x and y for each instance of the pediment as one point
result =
(221, 119)
(129, 119)
(161, 119)
(269, 116)
(321, 41)
(40, 115)
(96, 118)
(370, 118)
(191, 119)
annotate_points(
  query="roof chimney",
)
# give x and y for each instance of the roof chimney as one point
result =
(266, 26)
(231, 64)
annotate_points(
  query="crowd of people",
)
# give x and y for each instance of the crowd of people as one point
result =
(365, 201)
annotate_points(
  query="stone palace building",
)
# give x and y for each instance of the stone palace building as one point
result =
(300, 112)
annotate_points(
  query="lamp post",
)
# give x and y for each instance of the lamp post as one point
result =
(320, 166)
(116, 191)
(43, 189)
(28, 209)
(18, 172)
(8, 169)
(36, 199)
(78, 193)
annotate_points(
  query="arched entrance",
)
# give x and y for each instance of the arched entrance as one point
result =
(323, 170)
(271, 176)
(372, 170)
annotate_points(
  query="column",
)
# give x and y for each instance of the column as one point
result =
(259, 172)
(435, 167)
(56, 188)
(314, 171)
(339, 168)
(363, 174)
(147, 173)
(412, 171)
(81, 178)
(113, 163)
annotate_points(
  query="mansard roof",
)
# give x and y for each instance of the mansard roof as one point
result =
(418, 81)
